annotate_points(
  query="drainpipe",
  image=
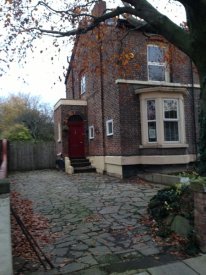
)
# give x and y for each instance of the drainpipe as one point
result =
(72, 84)
(102, 93)
(193, 106)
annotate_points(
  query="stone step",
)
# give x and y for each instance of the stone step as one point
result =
(78, 160)
(82, 165)
(75, 163)
(85, 169)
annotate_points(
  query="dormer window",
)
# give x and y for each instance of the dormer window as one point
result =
(156, 62)
(83, 84)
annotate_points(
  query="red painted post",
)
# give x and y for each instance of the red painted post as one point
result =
(3, 168)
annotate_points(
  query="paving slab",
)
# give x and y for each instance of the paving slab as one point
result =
(178, 268)
(96, 220)
(198, 264)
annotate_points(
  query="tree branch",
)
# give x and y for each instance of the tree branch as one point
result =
(163, 24)
(139, 8)
(82, 30)
(41, 3)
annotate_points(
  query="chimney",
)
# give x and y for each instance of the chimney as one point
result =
(99, 8)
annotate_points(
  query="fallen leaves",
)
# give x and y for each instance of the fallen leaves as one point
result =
(36, 224)
(173, 244)
(93, 218)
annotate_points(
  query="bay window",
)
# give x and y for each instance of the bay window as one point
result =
(162, 119)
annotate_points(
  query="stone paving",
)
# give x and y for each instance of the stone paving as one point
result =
(97, 218)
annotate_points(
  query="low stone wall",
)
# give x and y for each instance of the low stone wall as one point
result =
(163, 178)
(5, 230)
(199, 188)
(200, 218)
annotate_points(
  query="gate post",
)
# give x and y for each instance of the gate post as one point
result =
(3, 167)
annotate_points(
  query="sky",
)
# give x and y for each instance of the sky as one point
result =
(40, 75)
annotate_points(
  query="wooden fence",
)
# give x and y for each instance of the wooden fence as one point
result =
(31, 156)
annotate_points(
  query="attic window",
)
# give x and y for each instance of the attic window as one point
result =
(110, 21)
(157, 66)
(83, 84)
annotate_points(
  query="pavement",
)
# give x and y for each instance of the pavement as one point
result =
(97, 224)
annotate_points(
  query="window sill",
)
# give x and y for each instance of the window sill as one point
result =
(173, 145)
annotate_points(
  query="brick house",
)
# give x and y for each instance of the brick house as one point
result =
(131, 101)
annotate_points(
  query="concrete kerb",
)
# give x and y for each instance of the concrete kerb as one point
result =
(192, 266)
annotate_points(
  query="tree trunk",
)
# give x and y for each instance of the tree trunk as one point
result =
(201, 66)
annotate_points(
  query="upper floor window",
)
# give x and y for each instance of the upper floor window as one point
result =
(83, 84)
(156, 62)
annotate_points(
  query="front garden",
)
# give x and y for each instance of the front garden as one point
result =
(175, 212)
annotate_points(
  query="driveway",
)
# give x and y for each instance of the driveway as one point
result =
(94, 221)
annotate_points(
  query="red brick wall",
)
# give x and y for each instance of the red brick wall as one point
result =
(107, 100)
(129, 120)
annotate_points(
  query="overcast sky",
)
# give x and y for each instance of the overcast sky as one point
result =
(40, 77)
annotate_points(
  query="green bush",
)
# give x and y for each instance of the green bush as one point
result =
(168, 201)
(18, 132)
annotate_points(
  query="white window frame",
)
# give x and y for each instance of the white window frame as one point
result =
(108, 122)
(159, 98)
(160, 64)
(172, 119)
(149, 120)
(91, 132)
(83, 84)
(59, 129)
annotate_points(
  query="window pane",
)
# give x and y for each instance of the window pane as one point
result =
(156, 54)
(171, 131)
(170, 108)
(91, 132)
(109, 127)
(83, 84)
(152, 136)
(156, 73)
(151, 115)
(110, 130)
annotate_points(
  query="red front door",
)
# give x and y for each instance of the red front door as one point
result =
(76, 139)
